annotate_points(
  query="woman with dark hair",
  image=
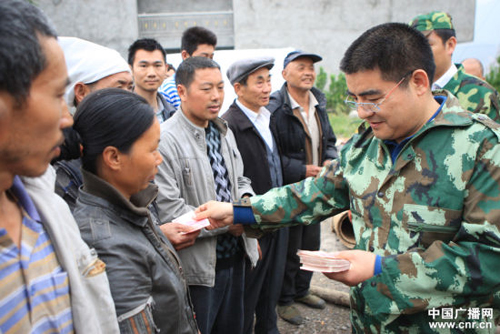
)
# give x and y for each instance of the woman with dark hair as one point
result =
(120, 136)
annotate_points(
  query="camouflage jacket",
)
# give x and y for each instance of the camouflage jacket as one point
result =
(474, 94)
(433, 215)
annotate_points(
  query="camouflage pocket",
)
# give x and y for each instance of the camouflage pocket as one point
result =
(429, 224)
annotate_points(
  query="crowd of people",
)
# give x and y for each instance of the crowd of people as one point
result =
(100, 155)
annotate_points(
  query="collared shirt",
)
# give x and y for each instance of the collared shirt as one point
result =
(260, 120)
(159, 112)
(441, 82)
(34, 297)
(169, 91)
(311, 122)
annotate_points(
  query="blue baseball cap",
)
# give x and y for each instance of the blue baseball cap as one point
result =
(299, 53)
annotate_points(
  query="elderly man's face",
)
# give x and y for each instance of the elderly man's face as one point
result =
(255, 93)
(300, 74)
(30, 134)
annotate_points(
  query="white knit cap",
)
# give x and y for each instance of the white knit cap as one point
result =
(88, 62)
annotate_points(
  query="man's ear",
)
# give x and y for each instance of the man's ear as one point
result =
(6, 108)
(81, 90)
(184, 54)
(182, 91)
(450, 45)
(284, 74)
(112, 158)
(420, 81)
(237, 88)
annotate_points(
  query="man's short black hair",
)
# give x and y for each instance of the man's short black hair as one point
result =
(195, 36)
(147, 44)
(445, 34)
(186, 70)
(21, 56)
(395, 49)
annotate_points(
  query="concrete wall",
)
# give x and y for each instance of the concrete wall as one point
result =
(328, 27)
(176, 6)
(112, 23)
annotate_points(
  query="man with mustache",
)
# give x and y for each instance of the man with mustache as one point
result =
(201, 162)
(306, 141)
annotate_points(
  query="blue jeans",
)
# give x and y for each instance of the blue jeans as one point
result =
(220, 309)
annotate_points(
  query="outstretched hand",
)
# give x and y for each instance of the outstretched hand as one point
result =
(362, 267)
(219, 214)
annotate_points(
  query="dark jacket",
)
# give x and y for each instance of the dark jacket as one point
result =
(291, 137)
(168, 108)
(252, 149)
(144, 271)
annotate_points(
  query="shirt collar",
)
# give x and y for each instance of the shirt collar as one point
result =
(252, 115)
(441, 82)
(313, 102)
(24, 199)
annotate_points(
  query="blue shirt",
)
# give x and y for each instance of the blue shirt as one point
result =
(169, 91)
(34, 297)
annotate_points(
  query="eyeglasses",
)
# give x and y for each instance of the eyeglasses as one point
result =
(370, 106)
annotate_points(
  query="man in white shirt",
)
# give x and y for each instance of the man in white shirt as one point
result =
(249, 120)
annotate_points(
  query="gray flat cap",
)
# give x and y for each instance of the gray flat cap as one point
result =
(243, 67)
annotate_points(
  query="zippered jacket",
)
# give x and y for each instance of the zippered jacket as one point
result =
(433, 216)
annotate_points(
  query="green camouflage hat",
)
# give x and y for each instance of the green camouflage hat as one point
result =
(432, 21)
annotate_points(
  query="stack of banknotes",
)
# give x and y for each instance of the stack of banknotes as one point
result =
(322, 261)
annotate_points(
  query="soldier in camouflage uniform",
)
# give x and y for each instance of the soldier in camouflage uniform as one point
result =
(473, 93)
(423, 184)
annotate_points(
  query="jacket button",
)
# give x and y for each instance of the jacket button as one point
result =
(371, 248)
(380, 194)
(374, 284)
(409, 156)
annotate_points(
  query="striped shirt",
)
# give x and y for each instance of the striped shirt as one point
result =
(34, 293)
(169, 91)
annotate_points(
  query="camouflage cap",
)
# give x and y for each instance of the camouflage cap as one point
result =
(432, 21)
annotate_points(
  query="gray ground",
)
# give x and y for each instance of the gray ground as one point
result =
(334, 318)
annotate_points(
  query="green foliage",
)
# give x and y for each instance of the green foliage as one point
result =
(493, 77)
(343, 125)
(335, 94)
(321, 78)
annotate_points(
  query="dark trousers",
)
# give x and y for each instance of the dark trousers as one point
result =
(263, 284)
(220, 309)
(296, 282)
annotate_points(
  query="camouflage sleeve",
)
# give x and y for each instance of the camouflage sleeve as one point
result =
(494, 109)
(460, 272)
(307, 202)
